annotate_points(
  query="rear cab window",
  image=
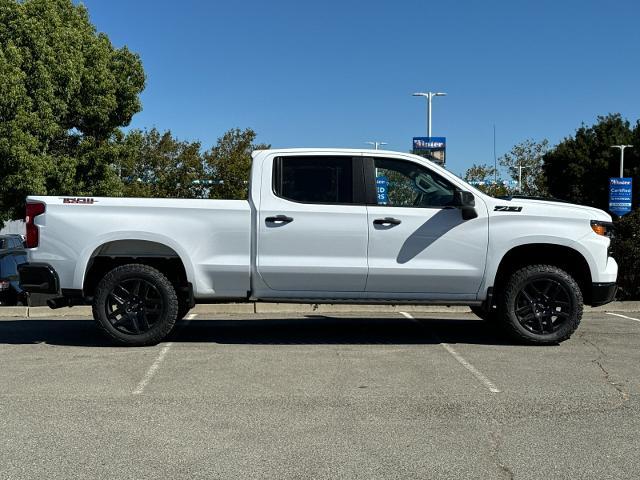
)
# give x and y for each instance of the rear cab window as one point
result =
(319, 179)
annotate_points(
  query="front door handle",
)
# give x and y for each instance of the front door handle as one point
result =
(280, 219)
(387, 221)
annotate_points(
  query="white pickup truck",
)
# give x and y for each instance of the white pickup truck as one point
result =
(324, 226)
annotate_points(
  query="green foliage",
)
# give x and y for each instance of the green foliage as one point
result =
(401, 190)
(528, 154)
(64, 91)
(154, 164)
(230, 161)
(483, 172)
(578, 169)
(625, 248)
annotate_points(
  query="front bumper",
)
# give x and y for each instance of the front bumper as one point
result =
(38, 278)
(602, 293)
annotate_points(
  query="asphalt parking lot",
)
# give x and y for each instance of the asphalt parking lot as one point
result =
(320, 396)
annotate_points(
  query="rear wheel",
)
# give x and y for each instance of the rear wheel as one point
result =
(135, 305)
(542, 305)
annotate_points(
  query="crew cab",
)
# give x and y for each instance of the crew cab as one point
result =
(324, 226)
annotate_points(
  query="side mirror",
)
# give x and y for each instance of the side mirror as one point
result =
(466, 202)
(462, 198)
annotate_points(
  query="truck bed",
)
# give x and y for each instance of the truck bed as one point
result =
(211, 237)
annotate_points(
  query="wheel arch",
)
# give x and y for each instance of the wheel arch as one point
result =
(561, 256)
(113, 252)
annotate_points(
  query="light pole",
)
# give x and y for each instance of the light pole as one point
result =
(429, 96)
(621, 147)
(520, 167)
(376, 144)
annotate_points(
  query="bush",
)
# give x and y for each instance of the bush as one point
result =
(625, 249)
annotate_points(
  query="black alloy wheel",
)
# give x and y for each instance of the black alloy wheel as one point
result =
(540, 305)
(543, 305)
(135, 305)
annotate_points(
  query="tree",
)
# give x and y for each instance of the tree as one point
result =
(154, 164)
(625, 248)
(528, 155)
(483, 177)
(579, 167)
(64, 91)
(230, 162)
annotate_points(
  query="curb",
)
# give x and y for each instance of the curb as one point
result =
(14, 312)
(276, 308)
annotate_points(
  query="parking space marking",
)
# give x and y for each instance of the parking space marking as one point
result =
(623, 316)
(152, 369)
(155, 365)
(464, 362)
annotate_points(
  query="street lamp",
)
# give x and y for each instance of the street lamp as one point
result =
(376, 144)
(520, 167)
(429, 96)
(621, 147)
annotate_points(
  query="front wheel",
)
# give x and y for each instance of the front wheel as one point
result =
(136, 305)
(541, 305)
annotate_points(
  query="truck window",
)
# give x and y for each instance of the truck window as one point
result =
(314, 179)
(402, 183)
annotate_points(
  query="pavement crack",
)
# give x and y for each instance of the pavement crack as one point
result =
(624, 395)
(495, 443)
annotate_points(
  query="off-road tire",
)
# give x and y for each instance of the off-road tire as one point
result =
(166, 296)
(515, 284)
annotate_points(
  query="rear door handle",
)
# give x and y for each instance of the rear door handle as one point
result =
(387, 221)
(279, 219)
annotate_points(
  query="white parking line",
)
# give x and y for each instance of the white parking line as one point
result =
(152, 369)
(623, 316)
(465, 363)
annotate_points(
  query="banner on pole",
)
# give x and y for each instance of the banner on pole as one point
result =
(620, 190)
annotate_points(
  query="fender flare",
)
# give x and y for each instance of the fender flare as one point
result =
(89, 251)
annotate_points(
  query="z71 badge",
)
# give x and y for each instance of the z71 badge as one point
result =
(506, 208)
(79, 200)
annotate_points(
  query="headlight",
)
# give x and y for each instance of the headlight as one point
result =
(602, 228)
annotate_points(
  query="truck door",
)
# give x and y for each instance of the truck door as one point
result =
(419, 245)
(312, 225)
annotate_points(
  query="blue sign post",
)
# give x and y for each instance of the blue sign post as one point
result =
(382, 189)
(620, 189)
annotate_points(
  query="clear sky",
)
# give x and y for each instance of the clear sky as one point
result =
(341, 73)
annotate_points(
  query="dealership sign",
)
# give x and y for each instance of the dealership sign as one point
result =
(620, 195)
(382, 189)
(429, 143)
(433, 148)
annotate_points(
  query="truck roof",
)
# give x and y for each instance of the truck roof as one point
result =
(358, 151)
